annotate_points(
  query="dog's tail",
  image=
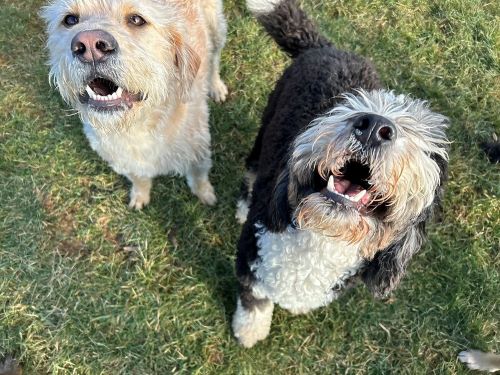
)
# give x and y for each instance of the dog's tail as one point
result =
(288, 24)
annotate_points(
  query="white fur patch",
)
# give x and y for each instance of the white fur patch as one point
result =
(477, 360)
(250, 326)
(262, 6)
(242, 211)
(298, 269)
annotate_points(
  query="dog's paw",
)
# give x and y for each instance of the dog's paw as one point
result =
(218, 91)
(251, 326)
(477, 360)
(242, 211)
(138, 200)
(205, 192)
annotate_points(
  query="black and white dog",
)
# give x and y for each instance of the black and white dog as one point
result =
(336, 197)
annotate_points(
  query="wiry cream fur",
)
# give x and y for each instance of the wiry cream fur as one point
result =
(402, 174)
(299, 269)
(173, 61)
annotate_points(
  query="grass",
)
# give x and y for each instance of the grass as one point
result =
(89, 287)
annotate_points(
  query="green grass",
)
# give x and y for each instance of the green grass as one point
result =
(89, 287)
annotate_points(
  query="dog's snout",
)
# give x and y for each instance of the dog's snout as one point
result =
(92, 46)
(374, 130)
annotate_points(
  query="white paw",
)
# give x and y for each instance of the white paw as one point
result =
(249, 327)
(138, 200)
(242, 211)
(205, 192)
(218, 91)
(477, 360)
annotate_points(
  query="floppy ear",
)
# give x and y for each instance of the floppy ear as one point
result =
(383, 274)
(187, 63)
(279, 207)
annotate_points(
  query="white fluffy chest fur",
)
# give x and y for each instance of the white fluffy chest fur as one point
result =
(160, 144)
(298, 269)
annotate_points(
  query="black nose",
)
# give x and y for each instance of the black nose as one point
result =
(93, 45)
(374, 130)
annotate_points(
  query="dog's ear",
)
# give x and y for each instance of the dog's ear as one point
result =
(384, 272)
(279, 207)
(187, 62)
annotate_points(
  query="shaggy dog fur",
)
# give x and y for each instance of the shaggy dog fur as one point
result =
(138, 73)
(336, 197)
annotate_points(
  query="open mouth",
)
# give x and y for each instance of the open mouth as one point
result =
(104, 94)
(350, 188)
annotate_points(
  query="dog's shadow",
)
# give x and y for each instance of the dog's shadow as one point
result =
(201, 238)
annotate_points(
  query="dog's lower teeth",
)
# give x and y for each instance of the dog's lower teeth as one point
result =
(116, 95)
(358, 196)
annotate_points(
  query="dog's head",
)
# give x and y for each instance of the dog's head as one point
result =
(369, 172)
(111, 58)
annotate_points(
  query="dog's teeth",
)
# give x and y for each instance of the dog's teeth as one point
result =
(119, 92)
(89, 91)
(358, 196)
(114, 96)
(331, 184)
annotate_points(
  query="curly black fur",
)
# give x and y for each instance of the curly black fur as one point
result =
(292, 29)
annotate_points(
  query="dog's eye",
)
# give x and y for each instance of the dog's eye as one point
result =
(136, 20)
(71, 20)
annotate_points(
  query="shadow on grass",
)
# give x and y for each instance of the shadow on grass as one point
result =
(204, 238)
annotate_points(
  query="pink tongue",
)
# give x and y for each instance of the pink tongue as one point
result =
(353, 190)
(342, 185)
(346, 187)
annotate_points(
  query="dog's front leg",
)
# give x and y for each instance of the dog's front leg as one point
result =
(197, 179)
(140, 192)
(218, 30)
(252, 318)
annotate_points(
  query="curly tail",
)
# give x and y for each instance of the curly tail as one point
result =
(288, 24)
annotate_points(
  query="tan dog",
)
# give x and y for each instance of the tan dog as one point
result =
(138, 73)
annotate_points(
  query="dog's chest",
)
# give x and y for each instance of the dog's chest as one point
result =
(142, 152)
(301, 270)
